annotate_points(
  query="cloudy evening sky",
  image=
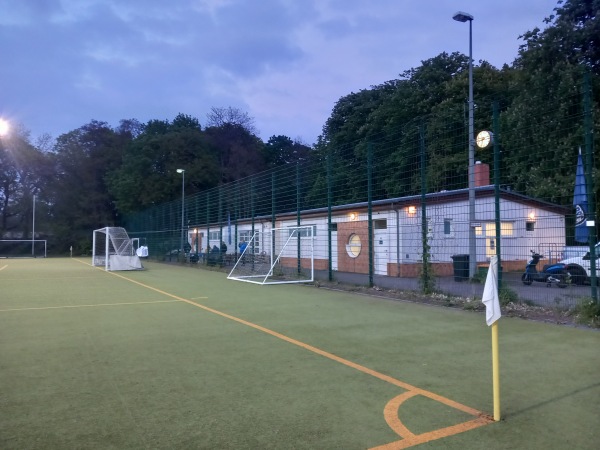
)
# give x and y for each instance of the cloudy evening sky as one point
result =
(285, 62)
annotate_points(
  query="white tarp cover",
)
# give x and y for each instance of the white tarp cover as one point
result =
(119, 262)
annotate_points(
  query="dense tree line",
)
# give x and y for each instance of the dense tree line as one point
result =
(540, 100)
(90, 177)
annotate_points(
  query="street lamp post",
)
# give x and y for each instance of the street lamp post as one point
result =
(464, 17)
(182, 172)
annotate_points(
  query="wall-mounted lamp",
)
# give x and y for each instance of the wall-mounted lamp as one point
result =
(353, 216)
(531, 215)
(412, 210)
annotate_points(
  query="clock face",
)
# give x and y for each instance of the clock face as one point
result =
(484, 138)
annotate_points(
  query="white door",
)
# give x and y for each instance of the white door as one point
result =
(382, 252)
(334, 251)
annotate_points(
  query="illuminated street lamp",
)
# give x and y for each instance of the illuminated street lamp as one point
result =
(182, 172)
(464, 17)
(3, 127)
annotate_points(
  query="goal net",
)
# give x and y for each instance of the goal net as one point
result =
(22, 248)
(113, 250)
(286, 256)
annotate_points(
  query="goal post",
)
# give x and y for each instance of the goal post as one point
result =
(113, 249)
(287, 256)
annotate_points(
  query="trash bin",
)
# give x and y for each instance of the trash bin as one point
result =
(460, 263)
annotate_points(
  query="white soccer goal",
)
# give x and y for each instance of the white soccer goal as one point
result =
(23, 248)
(287, 256)
(113, 250)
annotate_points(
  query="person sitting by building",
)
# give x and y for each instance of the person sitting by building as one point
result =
(242, 245)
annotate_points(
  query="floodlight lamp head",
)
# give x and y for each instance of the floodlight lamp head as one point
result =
(461, 16)
(180, 170)
(3, 127)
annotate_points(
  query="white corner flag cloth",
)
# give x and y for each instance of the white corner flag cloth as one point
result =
(490, 293)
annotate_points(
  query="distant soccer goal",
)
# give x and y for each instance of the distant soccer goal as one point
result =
(287, 256)
(113, 250)
(23, 248)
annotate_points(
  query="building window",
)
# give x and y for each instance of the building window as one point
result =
(333, 227)
(354, 246)
(529, 226)
(380, 224)
(448, 228)
(214, 236)
(506, 229)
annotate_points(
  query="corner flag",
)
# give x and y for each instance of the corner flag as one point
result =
(580, 202)
(492, 314)
(490, 293)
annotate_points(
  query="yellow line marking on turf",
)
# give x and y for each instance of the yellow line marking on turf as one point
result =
(436, 434)
(390, 413)
(409, 439)
(4, 267)
(88, 306)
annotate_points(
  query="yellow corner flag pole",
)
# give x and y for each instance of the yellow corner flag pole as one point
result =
(491, 301)
(496, 371)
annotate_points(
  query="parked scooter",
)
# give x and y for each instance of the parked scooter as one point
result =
(551, 273)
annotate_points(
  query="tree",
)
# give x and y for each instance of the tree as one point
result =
(240, 153)
(148, 175)
(281, 150)
(220, 117)
(24, 172)
(551, 64)
(79, 199)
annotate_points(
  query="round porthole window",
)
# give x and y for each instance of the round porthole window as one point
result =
(353, 246)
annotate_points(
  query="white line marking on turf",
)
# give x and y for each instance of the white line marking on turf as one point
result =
(89, 306)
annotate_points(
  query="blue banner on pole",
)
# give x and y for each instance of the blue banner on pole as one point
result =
(581, 203)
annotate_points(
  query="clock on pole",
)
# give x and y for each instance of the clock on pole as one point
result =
(484, 139)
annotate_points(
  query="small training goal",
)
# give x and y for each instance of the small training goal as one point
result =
(113, 250)
(277, 256)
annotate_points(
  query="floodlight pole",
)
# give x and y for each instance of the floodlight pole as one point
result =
(464, 17)
(182, 172)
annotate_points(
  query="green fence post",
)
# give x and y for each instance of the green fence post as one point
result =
(496, 143)
(252, 214)
(298, 206)
(588, 126)
(370, 208)
(207, 226)
(426, 276)
(273, 212)
(329, 224)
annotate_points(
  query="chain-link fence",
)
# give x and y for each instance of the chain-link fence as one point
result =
(421, 206)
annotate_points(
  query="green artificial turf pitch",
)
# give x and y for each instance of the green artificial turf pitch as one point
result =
(176, 357)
